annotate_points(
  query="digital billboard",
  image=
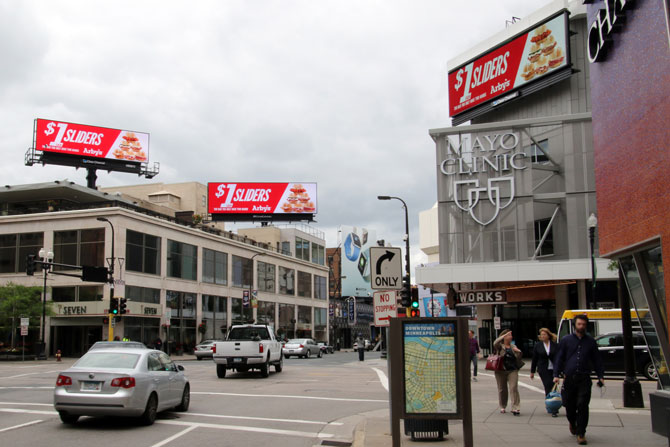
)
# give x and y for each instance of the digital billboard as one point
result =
(355, 259)
(263, 201)
(81, 145)
(531, 55)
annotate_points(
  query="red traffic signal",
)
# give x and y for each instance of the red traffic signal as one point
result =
(414, 313)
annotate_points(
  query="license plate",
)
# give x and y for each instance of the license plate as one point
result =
(91, 386)
(237, 360)
(292, 350)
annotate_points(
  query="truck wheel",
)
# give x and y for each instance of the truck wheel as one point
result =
(265, 368)
(279, 365)
(650, 372)
(221, 371)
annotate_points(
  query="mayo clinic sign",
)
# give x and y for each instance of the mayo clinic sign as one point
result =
(483, 170)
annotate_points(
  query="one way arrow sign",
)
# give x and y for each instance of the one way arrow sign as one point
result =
(386, 266)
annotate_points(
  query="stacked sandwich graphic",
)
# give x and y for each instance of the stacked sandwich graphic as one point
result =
(130, 148)
(544, 54)
(298, 201)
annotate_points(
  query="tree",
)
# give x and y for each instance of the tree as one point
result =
(18, 301)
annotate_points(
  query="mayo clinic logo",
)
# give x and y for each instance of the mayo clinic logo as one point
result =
(486, 155)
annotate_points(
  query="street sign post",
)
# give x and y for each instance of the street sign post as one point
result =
(385, 268)
(25, 321)
(386, 307)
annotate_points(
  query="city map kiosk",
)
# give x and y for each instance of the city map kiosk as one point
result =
(429, 373)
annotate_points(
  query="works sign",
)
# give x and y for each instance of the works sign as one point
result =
(475, 297)
(482, 170)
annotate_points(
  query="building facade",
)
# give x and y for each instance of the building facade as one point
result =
(184, 283)
(516, 187)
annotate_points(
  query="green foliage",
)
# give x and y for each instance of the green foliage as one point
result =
(613, 265)
(18, 301)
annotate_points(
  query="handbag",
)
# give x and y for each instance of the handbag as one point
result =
(495, 362)
(553, 401)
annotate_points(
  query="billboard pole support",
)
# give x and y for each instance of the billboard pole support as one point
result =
(91, 177)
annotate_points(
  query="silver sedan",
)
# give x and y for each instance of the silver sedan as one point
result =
(301, 347)
(121, 382)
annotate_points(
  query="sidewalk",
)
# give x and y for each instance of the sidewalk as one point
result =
(609, 424)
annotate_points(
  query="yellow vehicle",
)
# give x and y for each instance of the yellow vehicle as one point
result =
(601, 321)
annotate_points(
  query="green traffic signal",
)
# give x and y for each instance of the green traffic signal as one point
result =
(415, 304)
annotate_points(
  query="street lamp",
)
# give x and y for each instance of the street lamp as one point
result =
(251, 284)
(592, 223)
(46, 256)
(407, 269)
(110, 329)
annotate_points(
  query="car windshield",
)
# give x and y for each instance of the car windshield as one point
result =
(249, 333)
(111, 360)
(116, 344)
(297, 341)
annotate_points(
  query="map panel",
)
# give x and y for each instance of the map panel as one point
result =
(430, 368)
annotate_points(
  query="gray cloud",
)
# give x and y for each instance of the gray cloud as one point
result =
(342, 93)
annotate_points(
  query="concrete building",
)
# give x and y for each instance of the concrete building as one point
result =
(516, 185)
(198, 273)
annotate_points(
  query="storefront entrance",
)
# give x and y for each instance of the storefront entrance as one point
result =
(74, 341)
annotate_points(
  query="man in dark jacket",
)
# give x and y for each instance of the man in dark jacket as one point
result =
(577, 356)
(474, 350)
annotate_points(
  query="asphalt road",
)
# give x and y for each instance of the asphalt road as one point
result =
(311, 401)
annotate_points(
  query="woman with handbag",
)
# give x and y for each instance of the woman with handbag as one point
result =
(507, 372)
(544, 354)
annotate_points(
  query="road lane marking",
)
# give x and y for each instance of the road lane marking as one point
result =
(284, 396)
(274, 431)
(175, 436)
(252, 418)
(37, 421)
(29, 374)
(382, 378)
(21, 410)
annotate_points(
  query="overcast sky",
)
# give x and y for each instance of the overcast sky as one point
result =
(338, 92)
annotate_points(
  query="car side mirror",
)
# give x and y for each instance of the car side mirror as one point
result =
(180, 367)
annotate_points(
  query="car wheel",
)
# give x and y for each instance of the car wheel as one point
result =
(151, 410)
(199, 358)
(185, 399)
(650, 371)
(265, 368)
(221, 371)
(286, 356)
(320, 354)
(67, 418)
(308, 354)
(279, 366)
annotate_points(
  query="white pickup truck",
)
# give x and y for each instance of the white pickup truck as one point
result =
(248, 346)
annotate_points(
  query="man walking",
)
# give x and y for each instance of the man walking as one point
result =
(474, 350)
(577, 356)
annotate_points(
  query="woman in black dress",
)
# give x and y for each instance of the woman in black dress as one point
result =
(544, 354)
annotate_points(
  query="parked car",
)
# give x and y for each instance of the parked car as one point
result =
(117, 345)
(248, 346)
(610, 346)
(121, 382)
(204, 349)
(301, 347)
(325, 347)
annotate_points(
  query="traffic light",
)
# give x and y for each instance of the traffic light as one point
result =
(30, 265)
(114, 306)
(122, 305)
(405, 292)
(414, 311)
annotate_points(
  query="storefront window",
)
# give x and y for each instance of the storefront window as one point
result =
(286, 327)
(304, 329)
(304, 284)
(145, 330)
(237, 311)
(214, 317)
(320, 324)
(182, 323)
(266, 313)
(286, 281)
(652, 268)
